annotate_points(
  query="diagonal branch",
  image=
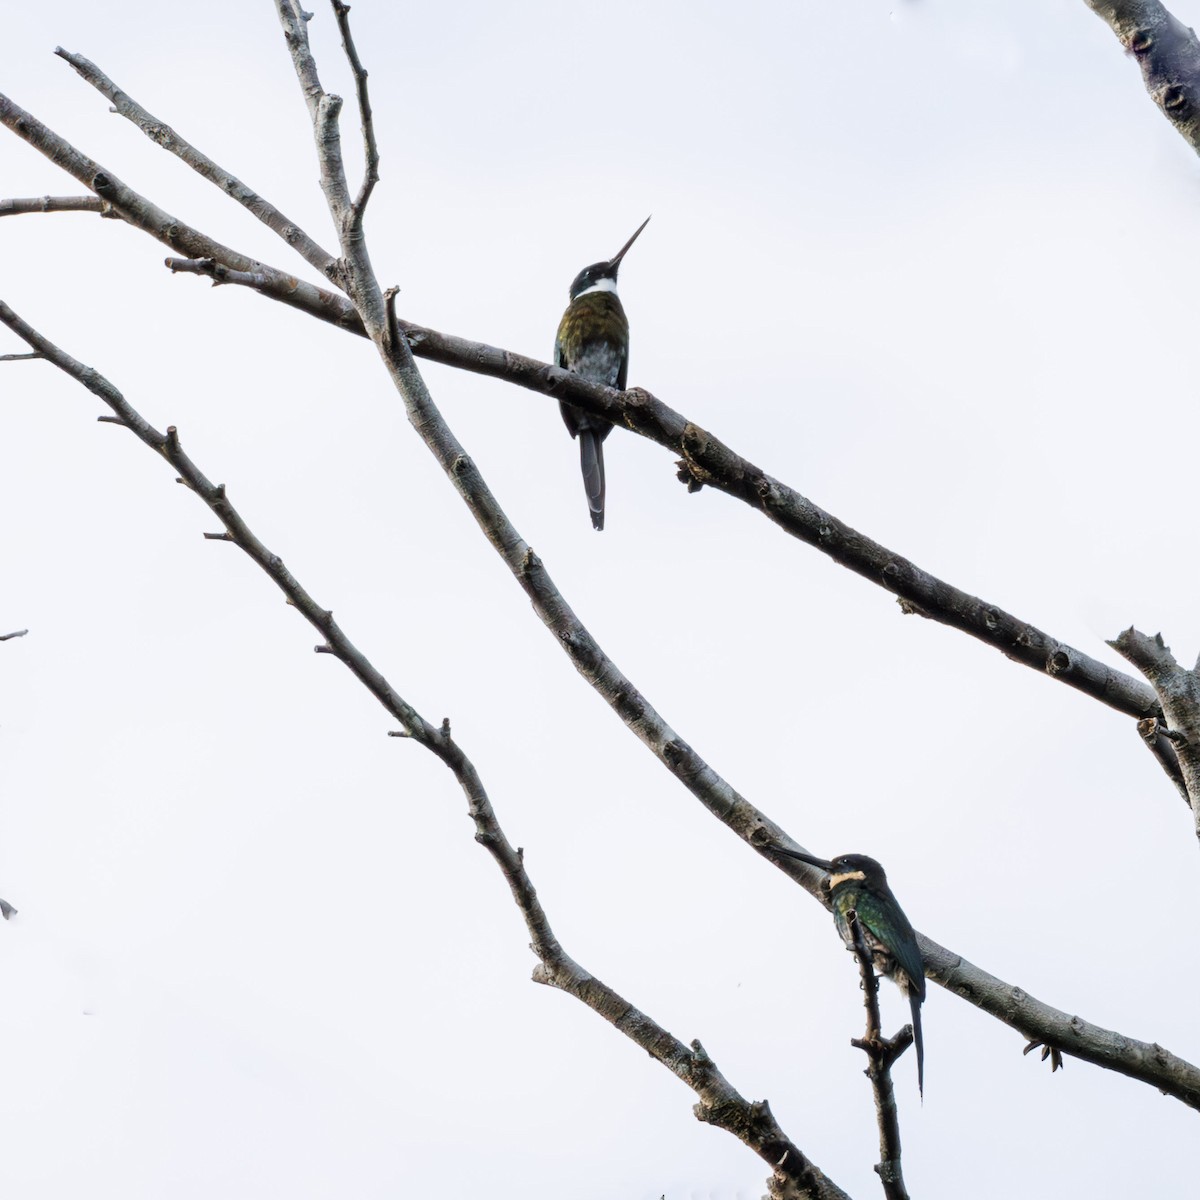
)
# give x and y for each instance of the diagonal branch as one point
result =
(720, 1104)
(1168, 53)
(163, 135)
(706, 457)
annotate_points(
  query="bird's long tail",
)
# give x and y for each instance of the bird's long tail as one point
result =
(591, 459)
(918, 1041)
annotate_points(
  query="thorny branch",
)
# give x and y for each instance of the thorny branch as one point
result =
(719, 1103)
(881, 1053)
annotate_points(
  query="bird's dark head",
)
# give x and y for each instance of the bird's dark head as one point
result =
(855, 868)
(602, 276)
(846, 868)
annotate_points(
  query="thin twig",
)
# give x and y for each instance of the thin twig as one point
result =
(6, 637)
(881, 1053)
(18, 357)
(163, 135)
(370, 149)
(53, 204)
(323, 109)
(218, 272)
(719, 1102)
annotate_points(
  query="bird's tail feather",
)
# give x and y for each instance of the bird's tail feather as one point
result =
(591, 459)
(918, 1042)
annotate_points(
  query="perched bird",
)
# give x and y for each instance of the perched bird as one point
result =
(858, 884)
(593, 341)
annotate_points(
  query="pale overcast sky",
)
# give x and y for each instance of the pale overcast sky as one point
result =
(932, 264)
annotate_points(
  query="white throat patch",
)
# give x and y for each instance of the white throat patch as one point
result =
(604, 285)
(834, 880)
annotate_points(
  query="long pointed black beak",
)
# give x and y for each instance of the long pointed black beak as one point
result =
(615, 261)
(811, 859)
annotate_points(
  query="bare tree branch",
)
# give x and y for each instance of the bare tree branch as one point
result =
(18, 357)
(881, 1052)
(5, 637)
(1168, 53)
(366, 120)
(54, 204)
(1178, 691)
(324, 109)
(1012, 1005)
(641, 412)
(719, 1103)
(721, 467)
(181, 237)
(163, 135)
(705, 458)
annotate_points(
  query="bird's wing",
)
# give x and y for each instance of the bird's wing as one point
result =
(900, 939)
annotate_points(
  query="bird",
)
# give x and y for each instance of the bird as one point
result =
(859, 884)
(593, 341)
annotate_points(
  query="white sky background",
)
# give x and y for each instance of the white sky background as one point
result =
(931, 264)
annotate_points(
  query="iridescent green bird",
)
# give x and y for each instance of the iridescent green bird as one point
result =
(858, 884)
(593, 341)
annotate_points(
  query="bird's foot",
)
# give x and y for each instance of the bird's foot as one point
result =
(1053, 1053)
